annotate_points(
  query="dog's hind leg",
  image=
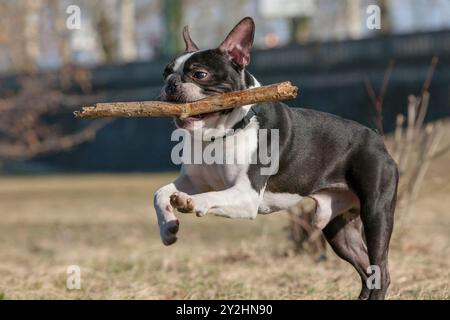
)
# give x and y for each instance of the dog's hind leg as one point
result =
(344, 234)
(377, 193)
(378, 220)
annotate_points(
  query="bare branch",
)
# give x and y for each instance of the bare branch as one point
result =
(427, 82)
(377, 100)
(386, 78)
(28, 126)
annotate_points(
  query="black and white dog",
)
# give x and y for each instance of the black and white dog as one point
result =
(339, 166)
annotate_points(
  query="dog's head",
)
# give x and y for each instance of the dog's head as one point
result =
(196, 74)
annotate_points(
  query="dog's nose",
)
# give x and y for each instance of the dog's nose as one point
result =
(172, 86)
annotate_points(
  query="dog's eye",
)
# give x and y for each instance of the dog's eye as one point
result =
(200, 74)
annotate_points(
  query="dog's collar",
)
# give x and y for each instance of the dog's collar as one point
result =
(241, 124)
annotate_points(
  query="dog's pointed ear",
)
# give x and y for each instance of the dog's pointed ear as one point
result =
(190, 45)
(239, 42)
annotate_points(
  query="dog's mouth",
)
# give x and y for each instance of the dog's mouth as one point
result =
(184, 122)
(188, 121)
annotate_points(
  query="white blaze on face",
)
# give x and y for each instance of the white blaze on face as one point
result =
(179, 62)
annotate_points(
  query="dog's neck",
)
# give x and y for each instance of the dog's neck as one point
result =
(228, 120)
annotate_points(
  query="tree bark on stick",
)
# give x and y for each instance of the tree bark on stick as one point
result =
(278, 91)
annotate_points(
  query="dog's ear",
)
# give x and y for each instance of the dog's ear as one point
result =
(239, 42)
(190, 45)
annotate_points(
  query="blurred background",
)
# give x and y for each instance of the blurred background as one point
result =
(56, 56)
(119, 48)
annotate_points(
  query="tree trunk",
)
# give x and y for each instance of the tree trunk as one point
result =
(173, 15)
(127, 37)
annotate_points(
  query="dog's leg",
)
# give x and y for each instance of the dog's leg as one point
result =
(377, 214)
(167, 221)
(331, 203)
(377, 217)
(235, 202)
(344, 234)
(335, 212)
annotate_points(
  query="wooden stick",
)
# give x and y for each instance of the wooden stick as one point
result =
(278, 91)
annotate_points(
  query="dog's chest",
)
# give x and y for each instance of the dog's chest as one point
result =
(239, 150)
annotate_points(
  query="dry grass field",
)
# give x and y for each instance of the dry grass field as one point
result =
(106, 225)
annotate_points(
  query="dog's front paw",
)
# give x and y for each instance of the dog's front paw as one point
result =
(185, 204)
(182, 202)
(168, 232)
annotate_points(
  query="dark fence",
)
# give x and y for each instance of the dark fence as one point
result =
(330, 77)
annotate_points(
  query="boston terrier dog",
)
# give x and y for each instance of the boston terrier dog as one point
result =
(336, 169)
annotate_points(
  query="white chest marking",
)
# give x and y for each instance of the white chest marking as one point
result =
(239, 150)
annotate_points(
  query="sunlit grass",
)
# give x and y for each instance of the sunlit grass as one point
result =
(106, 224)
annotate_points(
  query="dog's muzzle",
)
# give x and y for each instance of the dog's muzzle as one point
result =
(172, 87)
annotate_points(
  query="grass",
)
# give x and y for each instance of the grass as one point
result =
(106, 225)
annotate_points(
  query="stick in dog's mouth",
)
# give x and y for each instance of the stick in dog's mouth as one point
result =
(208, 105)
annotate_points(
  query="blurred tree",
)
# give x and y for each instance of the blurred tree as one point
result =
(354, 18)
(173, 17)
(127, 41)
(31, 32)
(115, 24)
(386, 25)
(104, 27)
(20, 33)
(61, 32)
(300, 29)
